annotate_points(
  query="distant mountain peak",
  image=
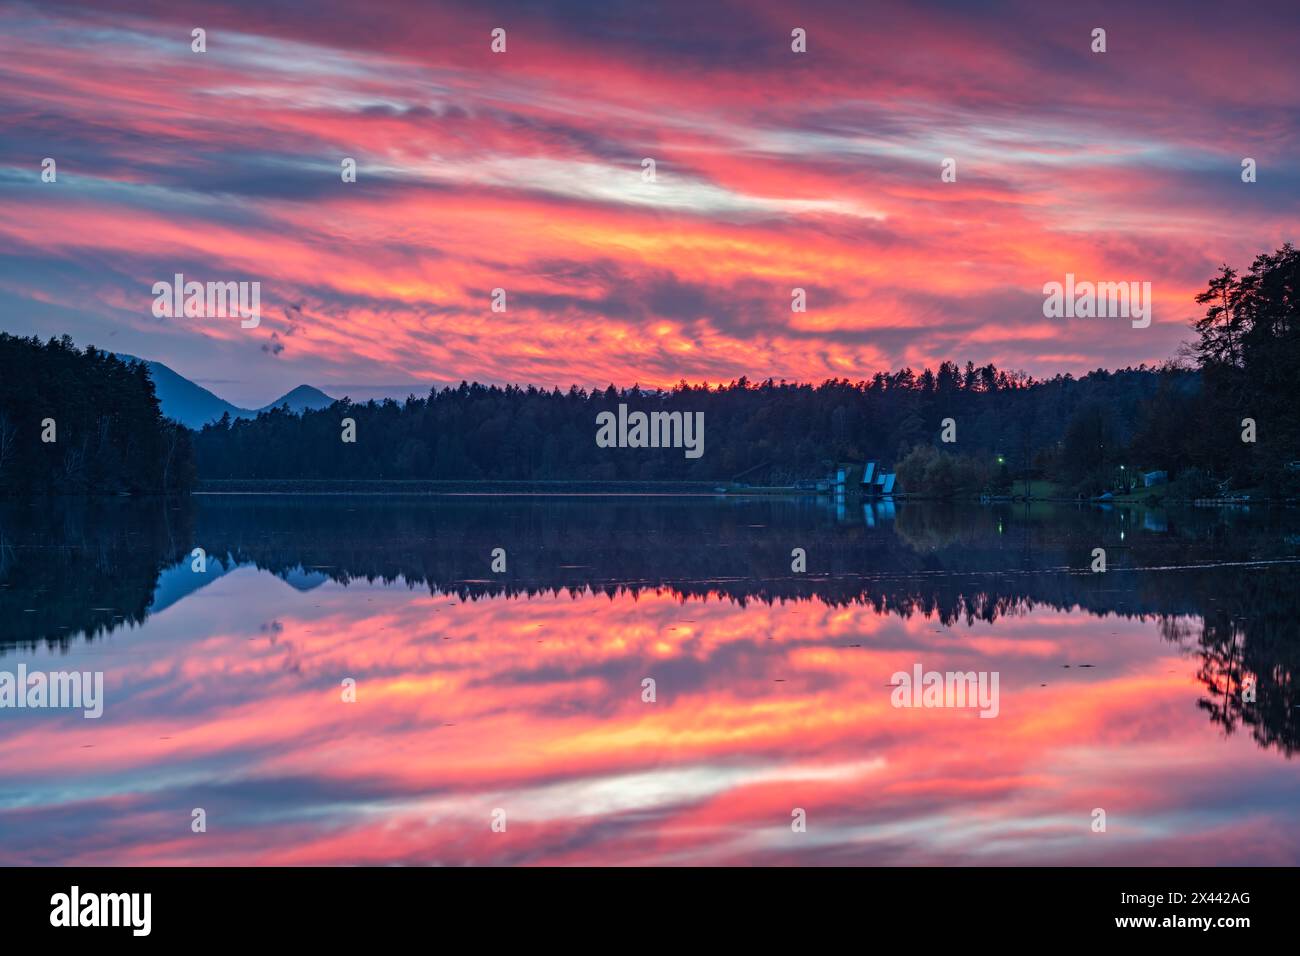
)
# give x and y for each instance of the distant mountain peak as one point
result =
(304, 396)
(309, 390)
(195, 406)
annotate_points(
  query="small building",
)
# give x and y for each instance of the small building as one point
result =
(1152, 478)
(877, 483)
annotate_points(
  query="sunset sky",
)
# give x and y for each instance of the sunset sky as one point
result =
(523, 170)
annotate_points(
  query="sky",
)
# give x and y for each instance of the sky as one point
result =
(523, 170)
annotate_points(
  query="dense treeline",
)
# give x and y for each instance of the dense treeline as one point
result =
(1233, 424)
(74, 421)
(770, 431)
(1249, 353)
(1086, 435)
(1241, 428)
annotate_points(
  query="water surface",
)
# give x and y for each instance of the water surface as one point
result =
(521, 692)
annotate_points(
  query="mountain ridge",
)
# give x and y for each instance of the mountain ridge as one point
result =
(195, 406)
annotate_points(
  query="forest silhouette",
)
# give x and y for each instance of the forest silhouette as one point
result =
(1243, 366)
(1075, 431)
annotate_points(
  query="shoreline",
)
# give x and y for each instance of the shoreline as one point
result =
(673, 489)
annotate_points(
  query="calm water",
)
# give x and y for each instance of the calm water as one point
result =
(522, 691)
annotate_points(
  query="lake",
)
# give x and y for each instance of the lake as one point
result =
(345, 679)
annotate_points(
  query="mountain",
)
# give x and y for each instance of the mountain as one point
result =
(194, 406)
(304, 396)
(190, 404)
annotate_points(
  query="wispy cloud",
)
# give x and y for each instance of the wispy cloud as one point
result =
(774, 170)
